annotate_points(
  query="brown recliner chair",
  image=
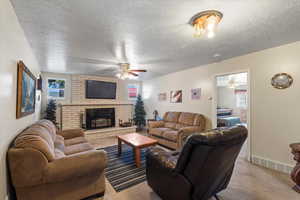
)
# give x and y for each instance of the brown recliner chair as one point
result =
(174, 127)
(201, 170)
(48, 165)
(295, 174)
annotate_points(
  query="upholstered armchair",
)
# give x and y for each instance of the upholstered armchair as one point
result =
(201, 170)
(295, 175)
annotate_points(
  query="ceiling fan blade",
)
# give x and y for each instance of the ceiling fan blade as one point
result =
(138, 70)
(91, 61)
(134, 74)
(109, 69)
(123, 51)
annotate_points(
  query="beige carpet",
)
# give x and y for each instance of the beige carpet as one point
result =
(249, 182)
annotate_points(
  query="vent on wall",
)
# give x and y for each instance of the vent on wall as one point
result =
(270, 164)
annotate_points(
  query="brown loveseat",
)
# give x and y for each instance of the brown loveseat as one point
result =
(174, 127)
(51, 165)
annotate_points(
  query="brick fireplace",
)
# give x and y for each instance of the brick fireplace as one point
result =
(72, 113)
(99, 118)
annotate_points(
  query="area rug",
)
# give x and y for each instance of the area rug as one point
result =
(121, 171)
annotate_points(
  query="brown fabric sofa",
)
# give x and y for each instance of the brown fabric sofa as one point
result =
(174, 127)
(51, 165)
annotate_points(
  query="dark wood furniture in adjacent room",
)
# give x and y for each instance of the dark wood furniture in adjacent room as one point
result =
(295, 175)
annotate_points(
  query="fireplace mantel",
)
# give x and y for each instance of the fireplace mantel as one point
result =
(71, 115)
(96, 104)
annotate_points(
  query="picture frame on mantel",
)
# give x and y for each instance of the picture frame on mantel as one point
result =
(26, 91)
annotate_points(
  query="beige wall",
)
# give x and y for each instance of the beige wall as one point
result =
(13, 47)
(275, 113)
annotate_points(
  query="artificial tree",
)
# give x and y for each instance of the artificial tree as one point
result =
(51, 111)
(139, 113)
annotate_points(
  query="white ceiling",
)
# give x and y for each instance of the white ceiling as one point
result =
(74, 36)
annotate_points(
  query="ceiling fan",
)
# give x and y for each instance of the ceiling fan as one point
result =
(127, 73)
(120, 68)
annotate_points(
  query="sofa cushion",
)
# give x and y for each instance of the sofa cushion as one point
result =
(59, 154)
(170, 135)
(76, 140)
(171, 116)
(179, 126)
(77, 148)
(38, 138)
(171, 125)
(158, 131)
(199, 121)
(187, 118)
(49, 126)
(59, 143)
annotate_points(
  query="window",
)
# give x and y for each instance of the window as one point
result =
(133, 90)
(241, 98)
(56, 88)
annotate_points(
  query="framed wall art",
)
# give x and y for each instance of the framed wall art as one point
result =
(176, 96)
(56, 88)
(133, 91)
(195, 93)
(26, 91)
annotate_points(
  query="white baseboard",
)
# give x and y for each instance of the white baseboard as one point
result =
(271, 164)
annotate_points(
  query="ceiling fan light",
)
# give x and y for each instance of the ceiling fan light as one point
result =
(118, 75)
(205, 23)
(210, 34)
(211, 23)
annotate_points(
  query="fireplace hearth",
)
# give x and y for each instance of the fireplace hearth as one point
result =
(100, 118)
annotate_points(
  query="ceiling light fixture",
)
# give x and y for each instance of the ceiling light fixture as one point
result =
(126, 73)
(206, 22)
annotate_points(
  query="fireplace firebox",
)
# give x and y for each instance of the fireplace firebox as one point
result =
(100, 118)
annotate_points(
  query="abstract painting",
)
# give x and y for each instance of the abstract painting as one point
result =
(195, 93)
(25, 91)
(176, 96)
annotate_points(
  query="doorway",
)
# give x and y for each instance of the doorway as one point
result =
(232, 106)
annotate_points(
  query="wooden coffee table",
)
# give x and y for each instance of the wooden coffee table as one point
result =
(137, 141)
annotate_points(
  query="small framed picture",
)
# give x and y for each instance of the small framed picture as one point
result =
(56, 88)
(196, 93)
(176, 96)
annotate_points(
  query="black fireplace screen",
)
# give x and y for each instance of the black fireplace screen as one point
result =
(100, 118)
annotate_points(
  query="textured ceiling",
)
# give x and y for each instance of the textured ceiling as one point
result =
(77, 36)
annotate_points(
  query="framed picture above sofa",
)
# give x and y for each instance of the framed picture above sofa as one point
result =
(176, 96)
(26, 91)
(196, 93)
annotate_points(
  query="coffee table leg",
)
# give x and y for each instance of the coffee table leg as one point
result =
(137, 154)
(119, 147)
